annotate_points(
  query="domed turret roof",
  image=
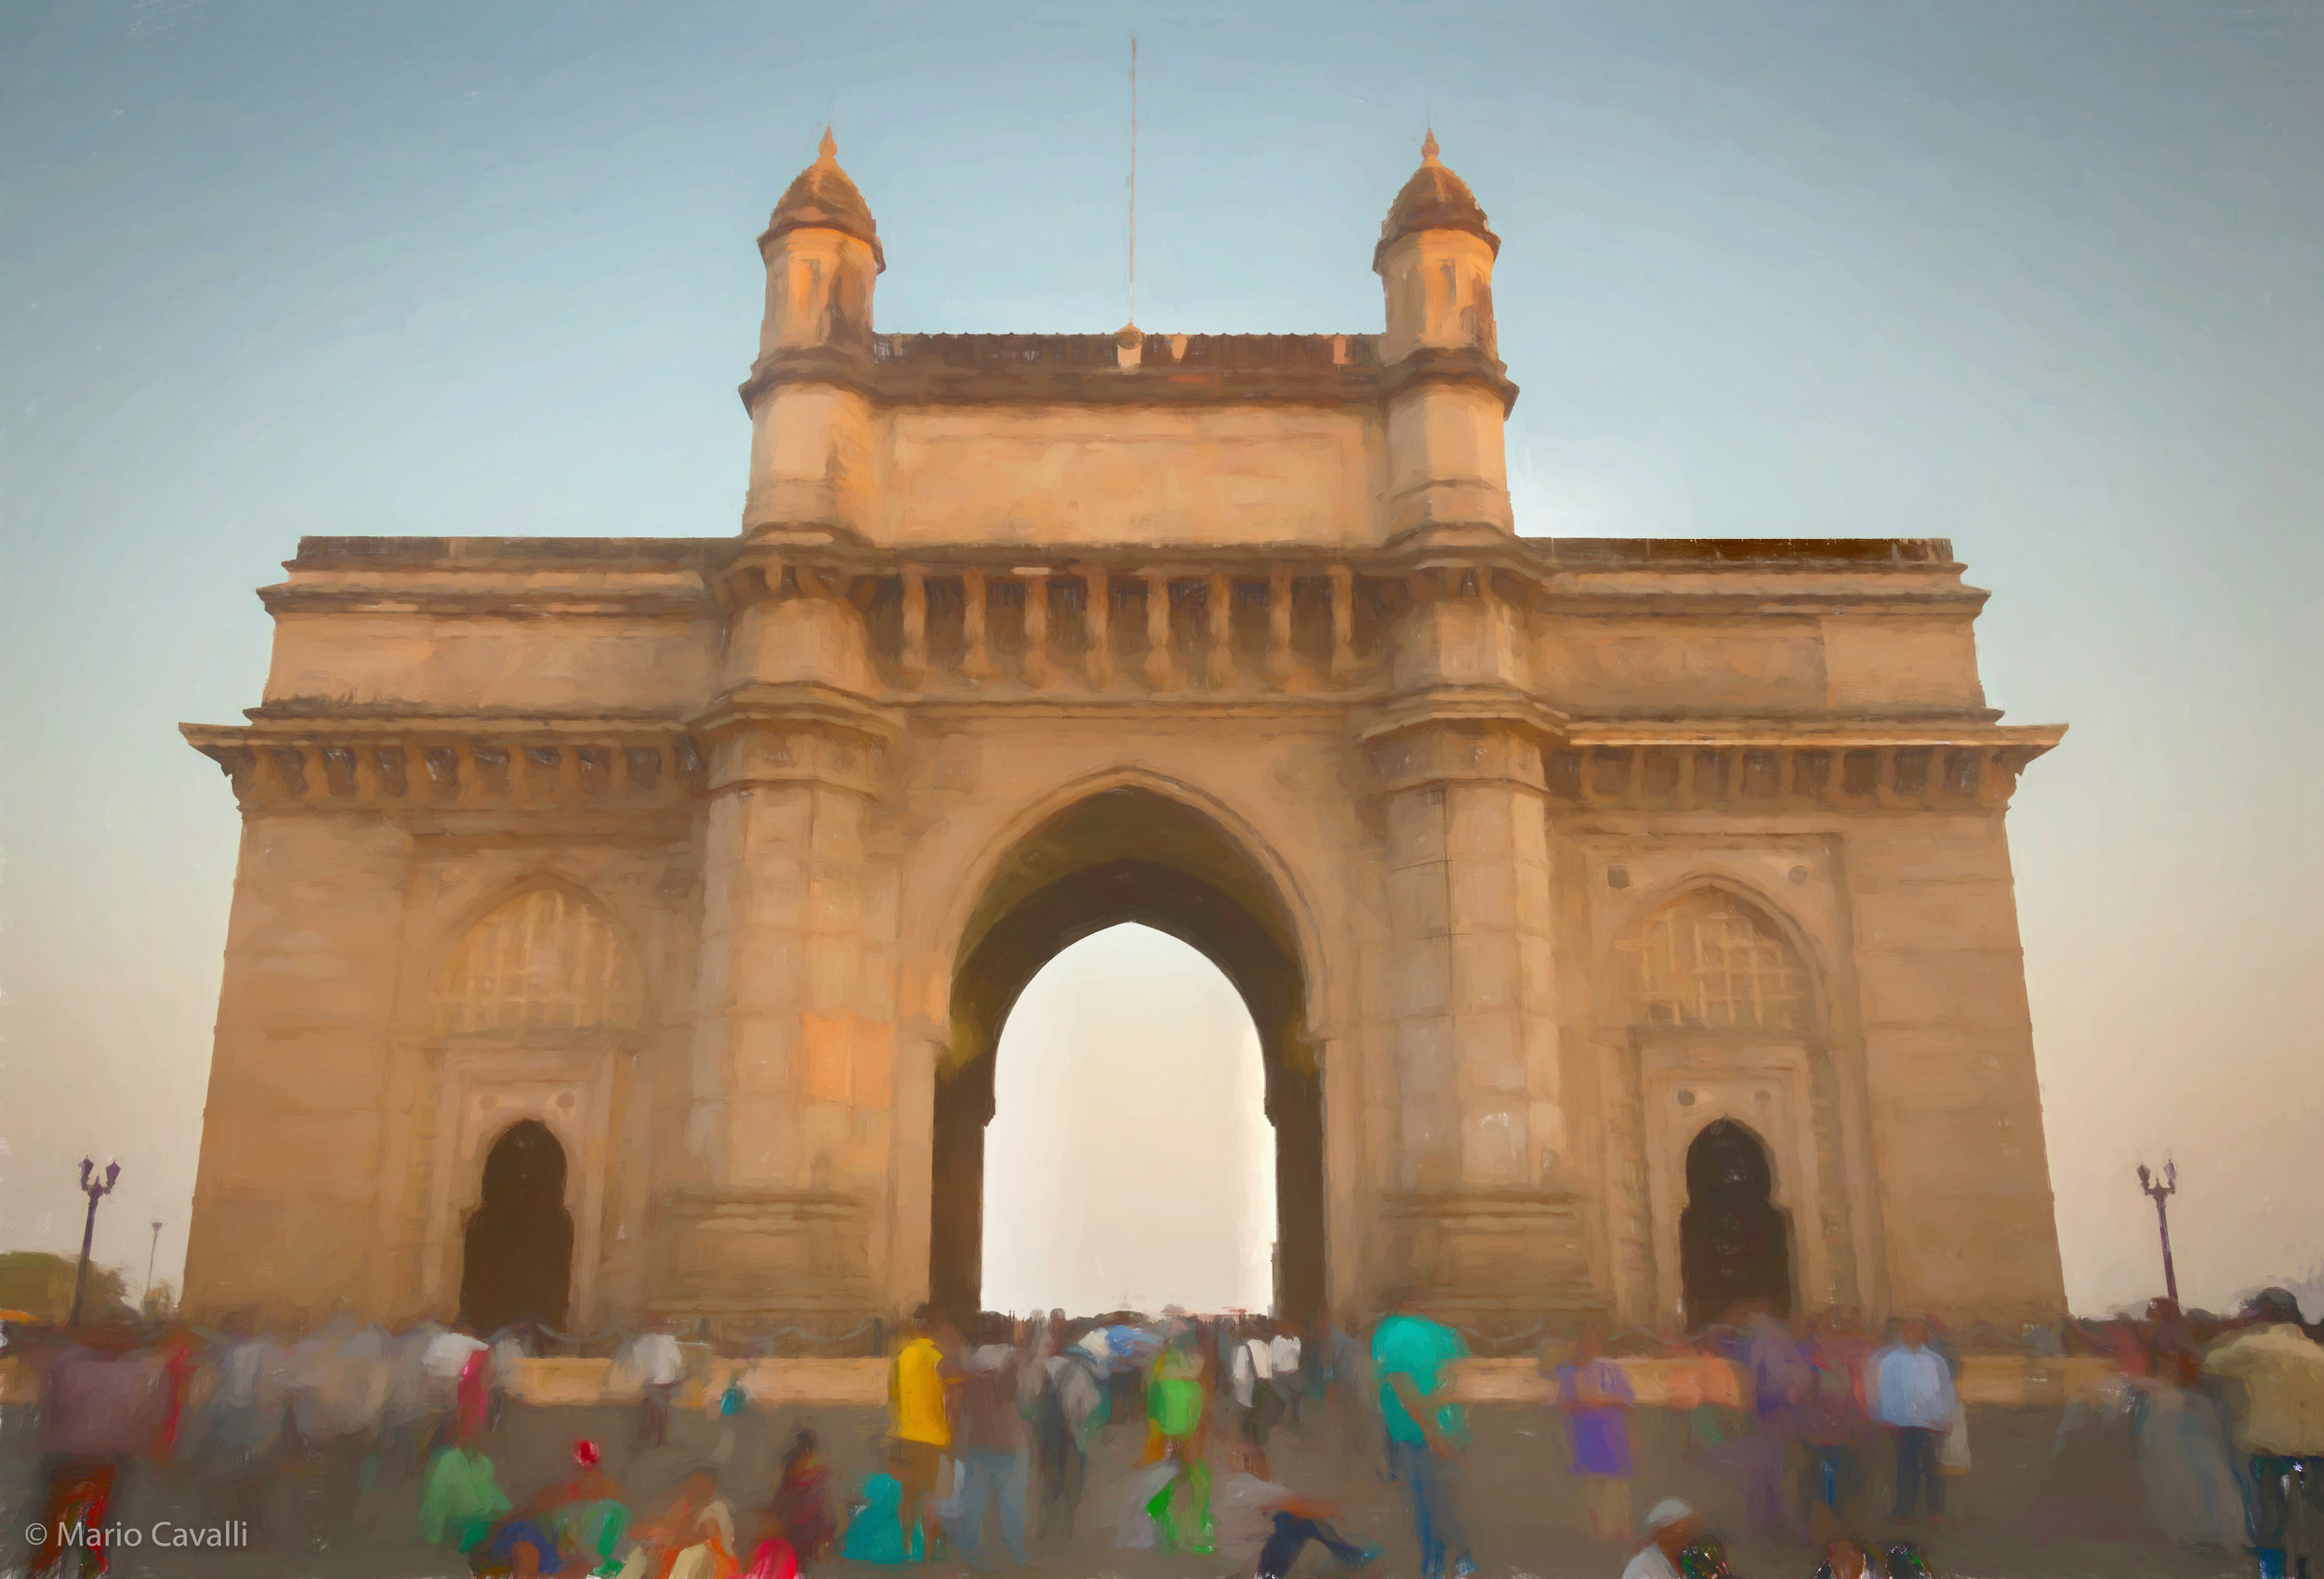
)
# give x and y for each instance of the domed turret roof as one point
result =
(1435, 199)
(823, 198)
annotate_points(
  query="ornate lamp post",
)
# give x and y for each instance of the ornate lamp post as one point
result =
(2162, 1190)
(95, 1190)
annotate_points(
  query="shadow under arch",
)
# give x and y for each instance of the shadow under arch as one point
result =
(1126, 855)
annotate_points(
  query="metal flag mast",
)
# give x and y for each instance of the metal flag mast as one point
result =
(1133, 180)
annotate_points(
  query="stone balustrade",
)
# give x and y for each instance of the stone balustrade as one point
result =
(948, 628)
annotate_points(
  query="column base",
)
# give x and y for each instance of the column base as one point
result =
(1495, 1262)
(788, 1266)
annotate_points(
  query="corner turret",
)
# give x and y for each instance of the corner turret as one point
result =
(1447, 463)
(811, 454)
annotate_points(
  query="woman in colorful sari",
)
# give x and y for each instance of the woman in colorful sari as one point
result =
(693, 1538)
(584, 1516)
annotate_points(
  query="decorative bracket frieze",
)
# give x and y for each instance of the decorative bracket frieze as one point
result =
(1774, 773)
(443, 765)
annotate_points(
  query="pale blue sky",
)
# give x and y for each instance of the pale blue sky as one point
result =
(2044, 278)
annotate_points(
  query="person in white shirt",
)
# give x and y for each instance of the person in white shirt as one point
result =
(1913, 1397)
(659, 1365)
(1671, 1524)
(447, 1356)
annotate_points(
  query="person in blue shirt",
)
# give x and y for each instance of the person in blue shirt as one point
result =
(1413, 1360)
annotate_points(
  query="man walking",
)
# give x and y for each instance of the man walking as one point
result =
(917, 1427)
(990, 1439)
(1916, 1403)
(1069, 1403)
(2274, 1381)
(654, 1358)
(1413, 1359)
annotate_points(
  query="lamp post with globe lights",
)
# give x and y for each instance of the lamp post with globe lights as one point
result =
(96, 1189)
(2162, 1190)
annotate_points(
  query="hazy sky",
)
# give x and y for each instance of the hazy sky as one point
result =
(2044, 278)
(1129, 1163)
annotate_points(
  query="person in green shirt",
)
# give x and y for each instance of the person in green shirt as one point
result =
(1413, 1360)
(463, 1499)
(1175, 1399)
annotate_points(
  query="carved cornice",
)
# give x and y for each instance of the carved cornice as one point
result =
(517, 602)
(1451, 364)
(1736, 763)
(1463, 707)
(804, 705)
(765, 1207)
(1824, 774)
(1475, 748)
(422, 764)
(1100, 369)
(774, 734)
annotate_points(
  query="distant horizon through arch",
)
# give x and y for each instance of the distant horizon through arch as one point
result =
(1129, 1163)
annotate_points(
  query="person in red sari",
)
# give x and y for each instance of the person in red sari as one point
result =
(802, 1499)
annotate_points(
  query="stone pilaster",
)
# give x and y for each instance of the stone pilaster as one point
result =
(794, 1049)
(1482, 1215)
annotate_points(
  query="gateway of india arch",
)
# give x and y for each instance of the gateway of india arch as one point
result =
(625, 928)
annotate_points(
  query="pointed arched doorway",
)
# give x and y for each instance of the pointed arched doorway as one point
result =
(1129, 1163)
(517, 1259)
(1734, 1243)
(1126, 855)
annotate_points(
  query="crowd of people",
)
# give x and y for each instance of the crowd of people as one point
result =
(2205, 1430)
(987, 1453)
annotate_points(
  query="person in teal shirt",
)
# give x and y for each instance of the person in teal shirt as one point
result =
(1414, 1358)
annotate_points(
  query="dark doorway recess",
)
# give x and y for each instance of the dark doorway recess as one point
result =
(518, 1261)
(1733, 1242)
(1126, 855)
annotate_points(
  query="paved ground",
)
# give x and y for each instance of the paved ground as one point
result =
(1527, 1513)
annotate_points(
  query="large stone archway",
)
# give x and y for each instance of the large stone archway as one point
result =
(1429, 770)
(1125, 854)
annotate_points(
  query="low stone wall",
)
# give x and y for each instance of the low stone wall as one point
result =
(1992, 1380)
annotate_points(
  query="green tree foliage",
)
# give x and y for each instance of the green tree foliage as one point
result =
(39, 1283)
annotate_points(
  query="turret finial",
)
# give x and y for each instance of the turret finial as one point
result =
(828, 149)
(1428, 147)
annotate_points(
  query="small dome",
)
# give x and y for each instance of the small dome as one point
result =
(823, 198)
(1435, 199)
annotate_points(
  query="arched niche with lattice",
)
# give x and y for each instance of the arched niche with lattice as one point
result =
(547, 960)
(1710, 960)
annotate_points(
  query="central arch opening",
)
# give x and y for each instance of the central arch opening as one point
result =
(1124, 856)
(1129, 1163)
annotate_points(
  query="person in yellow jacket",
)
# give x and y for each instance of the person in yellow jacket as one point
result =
(2272, 1375)
(917, 1426)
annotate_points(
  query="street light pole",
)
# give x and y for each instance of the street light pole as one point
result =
(95, 1190)
(150, 1254)
(2162, 1190)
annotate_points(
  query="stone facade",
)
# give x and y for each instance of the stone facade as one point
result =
(723, 859)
